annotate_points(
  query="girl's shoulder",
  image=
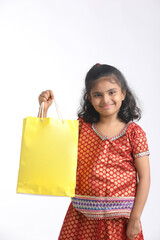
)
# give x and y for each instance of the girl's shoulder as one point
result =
(135, 130)
(82, 122)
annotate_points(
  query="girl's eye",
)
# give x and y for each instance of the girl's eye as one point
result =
(112, 92)
(97, 95)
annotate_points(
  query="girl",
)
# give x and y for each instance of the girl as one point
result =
(112, 152)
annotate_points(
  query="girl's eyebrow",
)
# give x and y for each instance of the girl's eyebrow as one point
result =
(106, 91)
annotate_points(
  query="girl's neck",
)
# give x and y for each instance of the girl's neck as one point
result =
(109, 120)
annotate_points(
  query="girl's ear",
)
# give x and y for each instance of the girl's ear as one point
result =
(123, 95)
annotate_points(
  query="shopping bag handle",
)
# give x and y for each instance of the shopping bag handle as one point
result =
(41, 110)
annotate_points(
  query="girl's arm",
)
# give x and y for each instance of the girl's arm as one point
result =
(143, 170)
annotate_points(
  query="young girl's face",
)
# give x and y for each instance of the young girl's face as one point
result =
(106, 96)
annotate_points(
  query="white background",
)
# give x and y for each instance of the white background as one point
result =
(51, 45)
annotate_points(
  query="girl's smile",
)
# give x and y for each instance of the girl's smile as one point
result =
(107, 106)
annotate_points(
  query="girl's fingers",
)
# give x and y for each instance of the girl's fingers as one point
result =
(42, 100)
(51, 94)
(132, 236)
(48, 94)
(41, 96)
(46, 97)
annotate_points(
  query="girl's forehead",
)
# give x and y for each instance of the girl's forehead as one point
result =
(105, 82)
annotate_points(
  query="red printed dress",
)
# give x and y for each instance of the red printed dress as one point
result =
(106, 184)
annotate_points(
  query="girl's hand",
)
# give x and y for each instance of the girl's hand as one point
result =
(47, 97)
(133, 228)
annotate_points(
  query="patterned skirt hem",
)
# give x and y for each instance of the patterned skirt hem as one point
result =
(103, 207)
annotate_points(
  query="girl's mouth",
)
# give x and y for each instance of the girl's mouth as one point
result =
(107, 106)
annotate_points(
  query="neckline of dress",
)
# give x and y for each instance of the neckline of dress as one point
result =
(114, 137)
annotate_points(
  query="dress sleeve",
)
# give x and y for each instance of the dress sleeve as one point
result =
(139, 143)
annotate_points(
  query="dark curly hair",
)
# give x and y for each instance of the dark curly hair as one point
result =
(128, 111)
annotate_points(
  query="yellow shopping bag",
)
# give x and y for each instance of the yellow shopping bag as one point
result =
(48, 160)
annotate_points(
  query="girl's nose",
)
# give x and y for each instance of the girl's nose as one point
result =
(105, 98)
